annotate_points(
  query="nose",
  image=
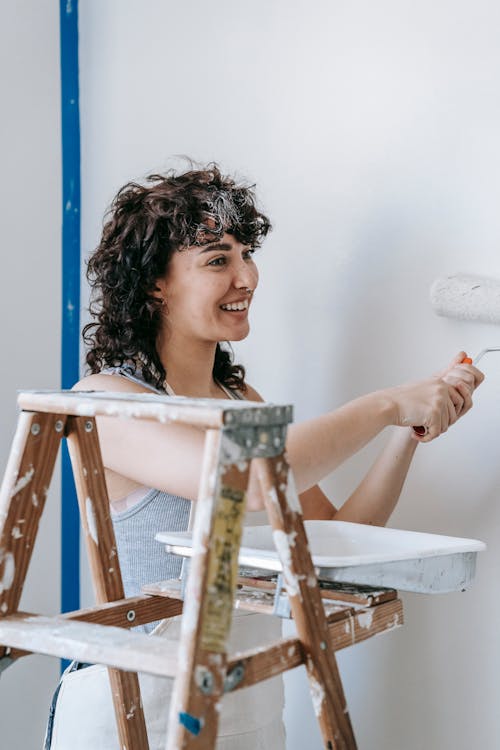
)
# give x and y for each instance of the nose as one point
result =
(246, 275)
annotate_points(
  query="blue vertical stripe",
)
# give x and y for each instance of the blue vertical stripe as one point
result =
(70, 356)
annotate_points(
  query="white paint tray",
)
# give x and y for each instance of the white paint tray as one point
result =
(360, 554)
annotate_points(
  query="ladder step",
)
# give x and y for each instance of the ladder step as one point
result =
(91, 643)
(356, 626)
(258, 595)
(137, 652)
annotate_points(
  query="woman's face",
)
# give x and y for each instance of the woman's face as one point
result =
(208, 289)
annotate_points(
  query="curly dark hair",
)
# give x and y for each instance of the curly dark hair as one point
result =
(144, 226)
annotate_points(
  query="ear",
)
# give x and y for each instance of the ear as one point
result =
(159, 291)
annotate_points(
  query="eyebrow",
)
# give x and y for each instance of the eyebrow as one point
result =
(216, 246)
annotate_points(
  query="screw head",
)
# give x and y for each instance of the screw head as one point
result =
(205, 680)
(238, 672)
(131, 615)
(58, 425)
(35, 429)
(89, 426)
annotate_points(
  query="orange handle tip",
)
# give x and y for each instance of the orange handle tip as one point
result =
(467, 361)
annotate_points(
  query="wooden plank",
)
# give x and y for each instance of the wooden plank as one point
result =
(352, 594)
(365, 624)
(356, 626)
(172, 586)
(289, 534)
(127, 613)
(204, 413)
(104, 644)
(88, 642)
(363, 596)
(209, 596)
(95, 514)
(127, 406)
(22, 499)
(262, 663)
(247, 598)
(129, 713)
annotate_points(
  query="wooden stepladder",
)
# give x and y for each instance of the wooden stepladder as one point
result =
(237, 435)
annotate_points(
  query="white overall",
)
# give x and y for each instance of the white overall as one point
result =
(251, 719)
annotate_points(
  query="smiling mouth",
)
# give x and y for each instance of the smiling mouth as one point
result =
(235, 306)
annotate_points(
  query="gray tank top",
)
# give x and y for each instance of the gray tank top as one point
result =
(143, 559)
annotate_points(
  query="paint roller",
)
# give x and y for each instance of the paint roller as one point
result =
(466, 297)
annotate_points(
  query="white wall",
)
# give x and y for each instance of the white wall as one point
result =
(30, 300)
(372, 132)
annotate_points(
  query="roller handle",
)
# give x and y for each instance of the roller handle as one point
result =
(421, 430)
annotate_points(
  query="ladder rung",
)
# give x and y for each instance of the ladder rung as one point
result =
(137, 652)
(356, 626)
(91, 643)
(128, 613)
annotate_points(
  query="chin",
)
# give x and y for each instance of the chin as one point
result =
(238, 336)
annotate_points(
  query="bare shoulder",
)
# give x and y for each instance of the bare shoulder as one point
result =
(110, 383)
(252, 395)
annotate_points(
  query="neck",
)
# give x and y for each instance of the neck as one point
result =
(189, 367)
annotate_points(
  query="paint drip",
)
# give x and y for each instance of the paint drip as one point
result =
(9, 568)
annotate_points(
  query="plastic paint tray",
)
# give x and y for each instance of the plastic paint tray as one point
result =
(360, 554)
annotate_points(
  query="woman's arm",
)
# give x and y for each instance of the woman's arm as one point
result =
(168, 457)
(318, 446)
(373, 501)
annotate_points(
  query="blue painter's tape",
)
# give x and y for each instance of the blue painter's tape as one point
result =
(71, 264)
(191, 723)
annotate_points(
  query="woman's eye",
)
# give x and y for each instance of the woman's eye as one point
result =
(221, 261)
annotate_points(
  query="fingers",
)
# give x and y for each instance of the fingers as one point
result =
(466, 394)
(478, 374)
(457, 398)
(448, 407)
(446, 402)
(457, 359)
(458, 366)
(452, 411)
(447, 414)
(467, 373)
(441, 412)
(464, 379)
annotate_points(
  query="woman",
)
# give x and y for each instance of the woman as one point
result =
(173, 278)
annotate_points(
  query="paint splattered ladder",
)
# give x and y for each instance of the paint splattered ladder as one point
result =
(237, 433)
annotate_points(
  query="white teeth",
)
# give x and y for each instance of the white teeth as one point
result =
(236, 306)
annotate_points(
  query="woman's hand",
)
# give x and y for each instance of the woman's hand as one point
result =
(432, 403)
(464, 377)
(445, 397)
